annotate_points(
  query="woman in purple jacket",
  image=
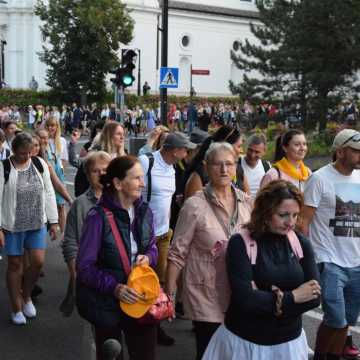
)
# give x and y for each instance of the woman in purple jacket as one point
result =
(101, 279)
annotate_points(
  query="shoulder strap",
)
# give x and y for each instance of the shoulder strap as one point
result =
(240, 171)
(295, 245)
(7, 153)
(36, 161)
(250, 244)
(278, 171)
(118, 240)
(266, 165)
(148, 174)
(7, 169)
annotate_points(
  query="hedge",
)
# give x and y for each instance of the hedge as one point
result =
(23, 98)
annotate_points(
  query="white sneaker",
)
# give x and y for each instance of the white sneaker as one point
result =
(18, 318)
(29, 310)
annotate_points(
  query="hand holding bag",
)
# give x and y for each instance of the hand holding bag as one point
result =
(163, 307)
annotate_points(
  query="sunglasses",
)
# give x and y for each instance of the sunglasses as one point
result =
(355, 138)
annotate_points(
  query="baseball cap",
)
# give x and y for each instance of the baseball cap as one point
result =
(198, 136)
(178, 140)
(347, 138)
(144, 280)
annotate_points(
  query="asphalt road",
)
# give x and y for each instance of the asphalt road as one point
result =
(53, 337)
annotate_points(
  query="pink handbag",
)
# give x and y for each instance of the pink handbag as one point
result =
(161, 310)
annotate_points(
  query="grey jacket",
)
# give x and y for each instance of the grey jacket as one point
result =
(74, 223)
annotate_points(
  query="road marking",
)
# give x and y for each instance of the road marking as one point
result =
(69, 183)
(318, 316)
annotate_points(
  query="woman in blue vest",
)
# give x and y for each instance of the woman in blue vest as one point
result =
(101, 279)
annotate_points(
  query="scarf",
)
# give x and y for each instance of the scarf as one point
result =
(301, 173)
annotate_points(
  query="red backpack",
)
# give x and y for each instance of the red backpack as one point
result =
(251, 245)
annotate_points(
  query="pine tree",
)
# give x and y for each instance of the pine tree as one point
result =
(307, 50)
(83, 40)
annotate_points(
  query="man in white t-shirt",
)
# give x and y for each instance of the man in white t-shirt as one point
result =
(158, 191)
(253, 167)
(332, 220)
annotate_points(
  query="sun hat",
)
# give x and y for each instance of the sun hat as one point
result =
(144, 280)
(347, 138)
(178, 140)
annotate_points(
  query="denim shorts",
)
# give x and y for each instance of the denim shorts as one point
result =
(16, 242)
(340, 294)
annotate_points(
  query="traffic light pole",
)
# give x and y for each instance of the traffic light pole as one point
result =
(164, 60)
(122, 102)
(139, 73)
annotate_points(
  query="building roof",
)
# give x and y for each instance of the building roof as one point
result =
(212, 10)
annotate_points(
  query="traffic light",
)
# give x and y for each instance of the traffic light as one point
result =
(127, 64)
(124, 74)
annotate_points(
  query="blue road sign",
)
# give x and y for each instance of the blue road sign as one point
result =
(169, 77)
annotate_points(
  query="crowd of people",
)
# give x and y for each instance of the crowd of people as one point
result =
(141, 119)
(241, 246)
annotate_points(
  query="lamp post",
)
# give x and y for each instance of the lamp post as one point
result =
(164, 59)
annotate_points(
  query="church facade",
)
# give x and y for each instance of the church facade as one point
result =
(201, 35)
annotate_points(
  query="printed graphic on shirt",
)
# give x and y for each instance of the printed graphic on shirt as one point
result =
(347, 211)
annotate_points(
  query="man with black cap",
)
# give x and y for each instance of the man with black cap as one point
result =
(332, 221)
(158, 192)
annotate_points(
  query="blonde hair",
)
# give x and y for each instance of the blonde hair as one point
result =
(105, 141)
(52, 120)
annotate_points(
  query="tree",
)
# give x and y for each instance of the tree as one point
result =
(306, 49)
(83, 39)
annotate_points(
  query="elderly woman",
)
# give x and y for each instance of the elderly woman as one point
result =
(101, 277)
(95, 165)
(28, 203)
(196, 177)
(271, 287)
(206, 222)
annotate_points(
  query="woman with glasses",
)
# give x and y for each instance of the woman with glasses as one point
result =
(95, 165)
(206, 222)
(196, 177)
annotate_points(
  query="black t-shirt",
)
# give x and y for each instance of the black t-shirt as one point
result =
(251, 314)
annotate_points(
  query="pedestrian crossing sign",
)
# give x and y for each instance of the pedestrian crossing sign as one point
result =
(169, 78)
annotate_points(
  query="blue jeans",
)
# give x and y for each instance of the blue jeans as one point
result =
(340, 294)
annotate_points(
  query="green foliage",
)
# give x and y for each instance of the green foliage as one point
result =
(306, 50)
(84, 38)
(26, 97)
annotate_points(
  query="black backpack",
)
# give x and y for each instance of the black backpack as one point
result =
(81, 182)
(240, 173)
(7, 167)
(148, 175)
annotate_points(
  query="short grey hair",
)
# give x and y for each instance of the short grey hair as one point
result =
(217, 147)
(256, 140)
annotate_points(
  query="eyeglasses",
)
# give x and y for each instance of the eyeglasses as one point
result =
(355, 138)
(220, 164)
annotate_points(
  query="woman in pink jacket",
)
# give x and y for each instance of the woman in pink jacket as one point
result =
(206, 222)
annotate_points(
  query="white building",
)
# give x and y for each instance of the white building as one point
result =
(201, 33)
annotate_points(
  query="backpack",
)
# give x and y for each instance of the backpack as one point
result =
(7, 167)
(150, 156)
(251, 245)
(81, 182)
(240, 173)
